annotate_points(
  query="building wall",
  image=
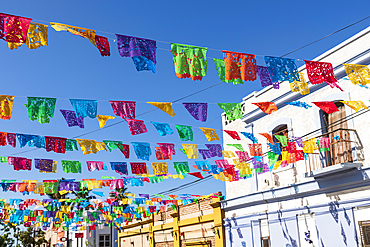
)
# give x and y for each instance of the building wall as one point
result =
(196, 222)
(329, 207)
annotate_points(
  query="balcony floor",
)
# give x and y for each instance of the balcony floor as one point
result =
(331, 170)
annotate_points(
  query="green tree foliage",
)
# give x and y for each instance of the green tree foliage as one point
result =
(30, 237)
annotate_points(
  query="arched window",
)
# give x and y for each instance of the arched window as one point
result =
(281, 130)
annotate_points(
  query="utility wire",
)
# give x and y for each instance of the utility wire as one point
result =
(339, 30)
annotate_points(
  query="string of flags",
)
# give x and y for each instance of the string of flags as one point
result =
(43, 109)
(79, 214)
(189, 61)
(223, 170)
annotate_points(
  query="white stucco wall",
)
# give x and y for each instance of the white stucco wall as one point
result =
(302, 122)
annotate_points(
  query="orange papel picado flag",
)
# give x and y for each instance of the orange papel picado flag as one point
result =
(266, 107)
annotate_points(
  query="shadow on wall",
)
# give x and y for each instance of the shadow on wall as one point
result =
(291, 241)
(359, 148)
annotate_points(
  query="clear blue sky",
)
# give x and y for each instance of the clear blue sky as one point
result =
(70, 67)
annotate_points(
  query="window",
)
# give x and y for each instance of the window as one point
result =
(365, 232)
(265, 234)
(104, 240)
(307, 230)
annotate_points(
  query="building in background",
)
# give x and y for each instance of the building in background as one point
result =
(102, 235)
(324, 199)
(194, 224)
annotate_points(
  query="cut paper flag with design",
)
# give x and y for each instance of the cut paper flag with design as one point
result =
(103, 45)
(282, 139)
(268, 137)
(39, 142)
(214, 150)
(37, 36)
(242, 155)
(240, 66)
(160, 155)
(124, 109)
(275, 148)
(244, 168)
(142, 150)
(98, 41)
(163, 128)
(355, 105)
(45, 165)
(266, 107)
(358, 74)
(24, 139)
(71, 145)
(103, 119)
(189, 61)
(265, 78)
(85, 108)
(299, 104)
(185, 132)
(112, 145)
(196, 174)
(232, 110)
(272, 157)
(300, 86)
(119, 167)
(324, 144)
(203, 165)
(166, 107)
(71, 166)
(319, 72)
(139, 168)
(40, 109)
(327, 106)
(233, 134)
(197, 110)
(237, 146)
(14, 28)
(6, 106)
(228, 154)
(191, 150)
(181, 167)
(160, 168)
(142, 51)
(255, 149)
(250, 136)
(210, 134)
(282, 69)
(96, 165)
(125, 149)
(136, 126)
(55, 144)
(220, 68)
(20, 163)
(71, 119)
(167, 149)
(91, 146)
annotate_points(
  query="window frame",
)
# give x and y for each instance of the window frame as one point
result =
(105, 240)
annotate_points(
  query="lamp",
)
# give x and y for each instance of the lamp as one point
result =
(215, 230)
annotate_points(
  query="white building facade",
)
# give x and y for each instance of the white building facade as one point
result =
(323, 200)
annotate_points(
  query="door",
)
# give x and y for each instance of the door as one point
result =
(340, 149)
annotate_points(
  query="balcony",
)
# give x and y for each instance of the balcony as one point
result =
(344, 154)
